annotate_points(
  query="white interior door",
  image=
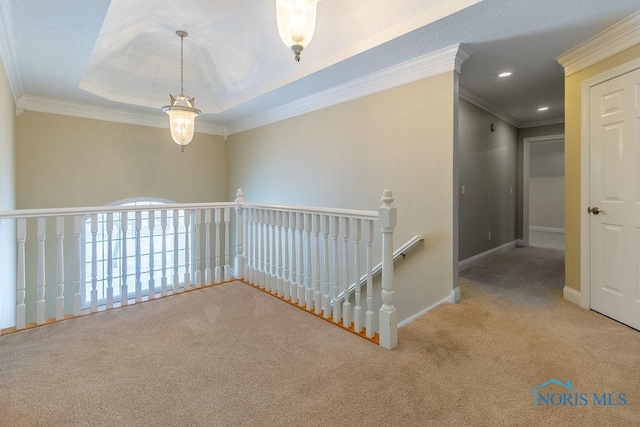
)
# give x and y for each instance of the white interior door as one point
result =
(614, 223)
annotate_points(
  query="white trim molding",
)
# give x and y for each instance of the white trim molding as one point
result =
(571, 295)
(526, 165)
(537, 123)
(66, 108)
(450, 299)
(432, 64)
(488, 107)
(486, 255)
(9, 53)
(585, 173)
(611, 41)
(547, 229)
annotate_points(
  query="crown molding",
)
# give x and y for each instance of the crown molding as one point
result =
(438, 62)
(65, 108)
(611, 41)
(488, 107)
(537, 123)
(9, 53)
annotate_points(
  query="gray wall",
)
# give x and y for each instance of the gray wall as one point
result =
(488, 169)
(530, 133)
(7, 201)
(546, 184)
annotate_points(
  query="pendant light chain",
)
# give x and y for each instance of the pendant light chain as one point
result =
(182, 65)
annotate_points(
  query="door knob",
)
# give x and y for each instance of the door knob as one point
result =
(594, 210)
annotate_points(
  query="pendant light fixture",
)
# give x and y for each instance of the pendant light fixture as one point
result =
(296, 23)
(182, 113)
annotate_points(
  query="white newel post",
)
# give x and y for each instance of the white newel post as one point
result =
(207, 247)
(239, 264)
(218, 269)
(124, 287)
(60, 268)
(279, 253)
(138, 236)
(163, 280)
(388, 314)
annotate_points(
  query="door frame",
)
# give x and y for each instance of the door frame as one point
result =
(585, 178)
(526, 166)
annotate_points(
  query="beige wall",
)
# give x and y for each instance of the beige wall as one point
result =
(7, 200)
(573, 105)
(68, 161)
(345, 155)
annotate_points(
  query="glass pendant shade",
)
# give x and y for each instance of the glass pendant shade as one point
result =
(296, 23)
(182, 117)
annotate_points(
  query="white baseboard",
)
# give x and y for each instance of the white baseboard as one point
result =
(455, 295)
(449, 299)
(521, 243)
(547, 229)
(484, 256)
(571, 295)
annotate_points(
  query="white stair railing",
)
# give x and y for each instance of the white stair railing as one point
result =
(306, 256)
(310, 256)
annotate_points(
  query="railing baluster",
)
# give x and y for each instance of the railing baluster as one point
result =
(240, 256)
(176, 248)
(337, 310)
(251, 247)
(124, 288)
(268, 272)
(309, 285)
(294, 287)
(138, 224)
(109, 260)
(207, 247)
(260, 248)
(317, 301)
(301, 287)
(280, 283)
(163, 281)
(40, 304)
(60, 268)
(326, 299)
(218, 269)
(286, 283)
(274, 278)
(357, 310)
(21, 308)
(198, 219)
(370, 330)
(152, 254)
(187, 249)
(227, 244)
(346, 306)
(94, 263)
(77, 296)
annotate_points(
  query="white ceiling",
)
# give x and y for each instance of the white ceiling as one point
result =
(124, 55)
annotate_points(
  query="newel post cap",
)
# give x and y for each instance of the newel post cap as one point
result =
(239, 197)
(387, 214)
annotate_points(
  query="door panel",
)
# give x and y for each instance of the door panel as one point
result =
(615, 189)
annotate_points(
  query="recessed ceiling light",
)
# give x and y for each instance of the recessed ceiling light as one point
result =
(543, 108)
(505, 74)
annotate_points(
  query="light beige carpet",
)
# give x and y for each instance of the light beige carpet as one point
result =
(232, 355)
